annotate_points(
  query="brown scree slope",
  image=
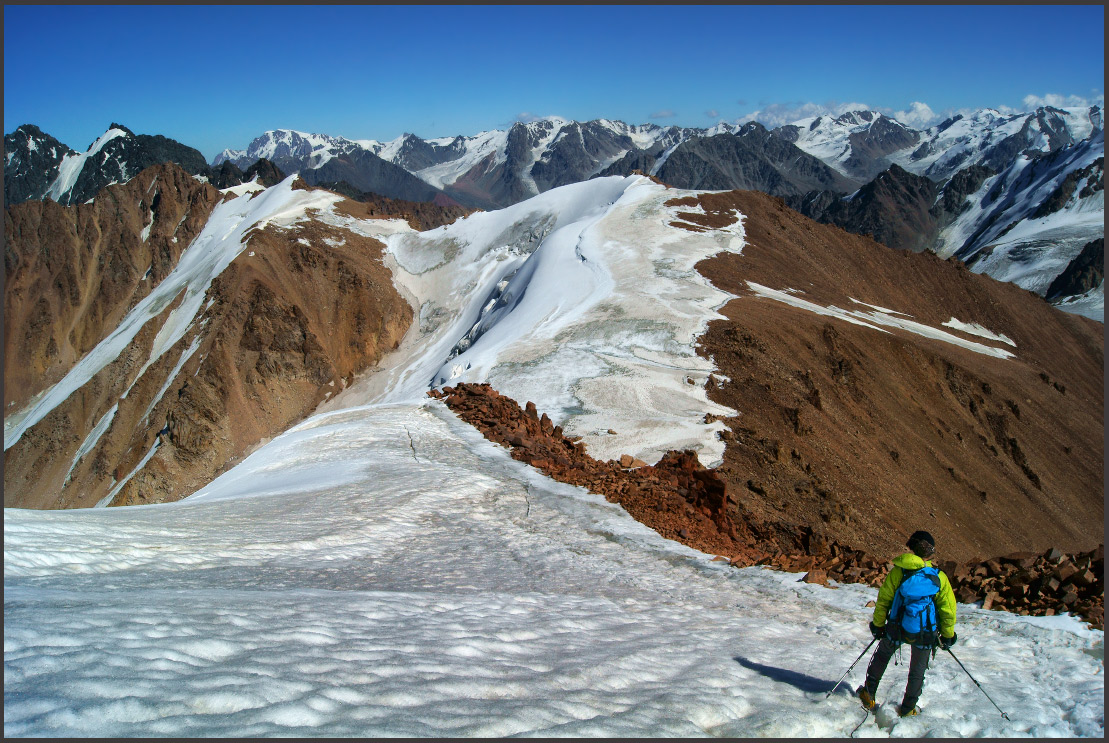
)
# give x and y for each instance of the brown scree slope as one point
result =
(72, 273)
(868, 435)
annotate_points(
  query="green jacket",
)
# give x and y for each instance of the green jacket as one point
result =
(945, 599)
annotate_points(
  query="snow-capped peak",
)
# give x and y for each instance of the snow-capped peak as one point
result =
(71, 166)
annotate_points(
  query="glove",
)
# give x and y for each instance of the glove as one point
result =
(946, 642)
(876, 630)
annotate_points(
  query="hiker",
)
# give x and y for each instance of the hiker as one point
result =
(916, 606)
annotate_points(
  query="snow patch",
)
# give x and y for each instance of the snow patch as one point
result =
(873, 319)
(92, 438)
(976, 329)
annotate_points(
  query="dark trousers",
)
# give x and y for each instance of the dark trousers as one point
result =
(918, 664)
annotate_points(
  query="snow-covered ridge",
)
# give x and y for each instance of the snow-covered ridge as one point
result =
(941, 150)
(472, 150)
(1001, 232)
(289, 143)
(828, 138)
(582, 299)
(956, 144)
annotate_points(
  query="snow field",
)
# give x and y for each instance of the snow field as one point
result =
(386, 571)
(582, 300)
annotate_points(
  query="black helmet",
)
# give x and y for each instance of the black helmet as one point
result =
(922, 544)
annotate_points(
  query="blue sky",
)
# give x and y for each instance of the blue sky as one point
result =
(214, 77)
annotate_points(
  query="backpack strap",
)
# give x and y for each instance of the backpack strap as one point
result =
(897, 606)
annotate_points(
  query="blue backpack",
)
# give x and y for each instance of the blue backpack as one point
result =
(913, 608)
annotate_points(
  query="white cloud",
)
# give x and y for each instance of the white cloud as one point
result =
(919, 115)
(525, 117)
(777, 114)
(665, 113)
(1062, 101)
(712, 113)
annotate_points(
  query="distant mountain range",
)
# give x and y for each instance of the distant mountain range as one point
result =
(37, 166)
(1016, 196)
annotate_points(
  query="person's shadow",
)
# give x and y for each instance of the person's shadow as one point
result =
(808, 684)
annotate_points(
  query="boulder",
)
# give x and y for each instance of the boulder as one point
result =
(1065, 572)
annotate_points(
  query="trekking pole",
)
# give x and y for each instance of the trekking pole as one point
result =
(977, 684)
(841, 678)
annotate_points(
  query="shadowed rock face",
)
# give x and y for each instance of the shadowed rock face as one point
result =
(287, 324)
(37, 158)
(895, 209)
(368, 172)
(1085, 272)
(753, 158)
(32, 164)
(870, 147)
(266, 172)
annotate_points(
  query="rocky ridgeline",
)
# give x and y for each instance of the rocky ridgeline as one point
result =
(684, 501)
(677, 497)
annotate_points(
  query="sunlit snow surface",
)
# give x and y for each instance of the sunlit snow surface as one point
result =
(386, 571)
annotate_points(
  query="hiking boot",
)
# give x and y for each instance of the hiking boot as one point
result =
(866, 698)
(902, 712)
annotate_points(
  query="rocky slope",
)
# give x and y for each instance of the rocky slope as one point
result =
(31, 161)
(300, 310)
(72, 273)
(751, 159)
(866, 434)
(422, 215)
(897, 209)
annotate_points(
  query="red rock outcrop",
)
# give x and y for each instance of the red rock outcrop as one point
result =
(684, 501)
